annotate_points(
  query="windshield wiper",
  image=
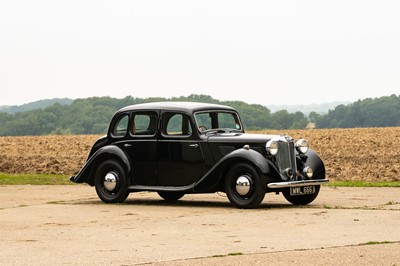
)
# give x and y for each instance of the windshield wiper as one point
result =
(215, 131)
(235, 130)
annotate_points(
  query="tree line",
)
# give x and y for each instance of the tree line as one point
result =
(378, 112)
(92, 115)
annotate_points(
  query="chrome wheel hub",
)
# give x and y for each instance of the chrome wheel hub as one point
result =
(110, 181)
(243, 185)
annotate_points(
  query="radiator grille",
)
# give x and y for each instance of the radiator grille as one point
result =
(286, 157)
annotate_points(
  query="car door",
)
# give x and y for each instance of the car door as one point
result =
(180, 161)
(141, 145)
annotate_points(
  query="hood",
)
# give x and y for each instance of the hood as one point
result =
(246, 138)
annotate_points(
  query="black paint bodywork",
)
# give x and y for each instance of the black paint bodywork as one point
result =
(195, 163)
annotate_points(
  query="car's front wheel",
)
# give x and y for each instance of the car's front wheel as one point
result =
(111, 182)
(243, 187)
(301, 199)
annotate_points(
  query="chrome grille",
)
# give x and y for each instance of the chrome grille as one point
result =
(286, 158)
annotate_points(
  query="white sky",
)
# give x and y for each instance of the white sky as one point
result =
(264, 52)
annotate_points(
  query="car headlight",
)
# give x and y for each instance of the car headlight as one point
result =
(302, 146)
(272, 147)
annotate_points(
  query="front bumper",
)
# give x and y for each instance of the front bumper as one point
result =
(302, 183)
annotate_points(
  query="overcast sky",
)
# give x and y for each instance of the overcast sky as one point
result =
(264, 52)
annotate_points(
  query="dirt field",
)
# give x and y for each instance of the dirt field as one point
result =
(68, 225)
(349, 154)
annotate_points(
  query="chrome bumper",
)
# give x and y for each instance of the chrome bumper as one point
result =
(301, 183)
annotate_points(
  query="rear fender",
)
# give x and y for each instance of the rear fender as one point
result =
(86, 174)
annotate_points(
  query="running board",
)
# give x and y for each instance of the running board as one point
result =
(301, 183)
(136, 188)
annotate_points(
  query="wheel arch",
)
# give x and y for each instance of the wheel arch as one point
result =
(250, 156)
(220, 169)
(87, 173)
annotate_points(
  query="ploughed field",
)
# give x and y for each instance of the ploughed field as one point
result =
(368, 154)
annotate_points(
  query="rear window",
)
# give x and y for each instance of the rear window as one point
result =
(121, 126)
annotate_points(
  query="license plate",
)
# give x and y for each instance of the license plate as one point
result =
(295, 191)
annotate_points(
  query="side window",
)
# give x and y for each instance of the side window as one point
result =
(211, 120)
(228, 120)
(143, 124)
(121, 126)
(176, 124)
(203, 121)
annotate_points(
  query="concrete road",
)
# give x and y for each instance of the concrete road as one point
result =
(69, 225)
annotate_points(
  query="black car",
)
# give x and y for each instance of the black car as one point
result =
(178, 148)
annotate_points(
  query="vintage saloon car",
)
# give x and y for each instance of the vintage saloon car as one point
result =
(178, 148)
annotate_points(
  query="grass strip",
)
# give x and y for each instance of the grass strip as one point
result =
(57, 179)
(364, 184)
(377, 243)
(229, 254)
(34, 179)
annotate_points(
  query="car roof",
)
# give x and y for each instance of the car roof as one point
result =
(176, 106)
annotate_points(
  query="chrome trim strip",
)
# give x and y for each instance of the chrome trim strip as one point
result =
(301, 183)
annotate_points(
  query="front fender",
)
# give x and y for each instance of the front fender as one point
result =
(86, 173)
(248, 155)
(316, 163)
(211, 180)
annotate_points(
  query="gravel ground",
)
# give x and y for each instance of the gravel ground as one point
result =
(69, 225)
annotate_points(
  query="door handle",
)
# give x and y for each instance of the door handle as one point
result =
(194, 145)
(127, 145)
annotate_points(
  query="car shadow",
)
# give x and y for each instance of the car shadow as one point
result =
(198, 203)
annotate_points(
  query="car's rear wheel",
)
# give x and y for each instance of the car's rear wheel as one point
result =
(302, 199)
(243, 187)
(170, 195)
(110, 182)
